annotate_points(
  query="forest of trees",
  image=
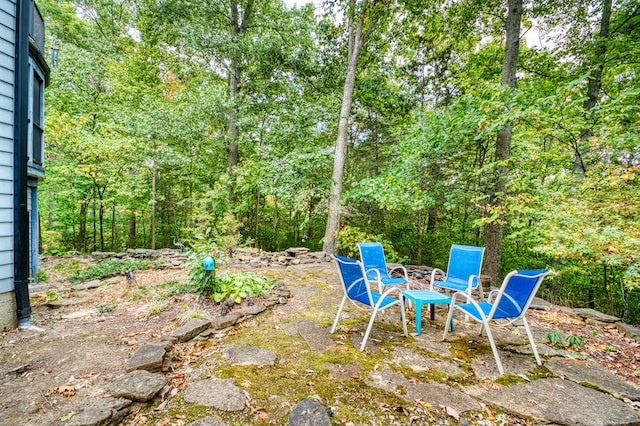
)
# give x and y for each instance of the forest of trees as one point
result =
(509, 124)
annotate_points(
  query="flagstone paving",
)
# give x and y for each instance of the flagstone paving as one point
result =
(428, 380)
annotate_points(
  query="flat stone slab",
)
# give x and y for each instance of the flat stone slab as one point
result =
(148, 357)
(629, 331)
(190, 329)
(440, 348)
(592, 373)
(510, 335)
(101, 412)
(68, 302)
(251, 310)
(82, 313)
(207, 421)
(87, 286)
(540, 304)
(318, 338)
(418, 362)
(138, 385)
(592, 314)
(222, 322)
(559, 401)
(433, 393)
(343, 371)
(222, 394)
(309, 413)
(250, 355)
(485, 366)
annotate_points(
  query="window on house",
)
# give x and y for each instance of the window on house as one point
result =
(36, 118)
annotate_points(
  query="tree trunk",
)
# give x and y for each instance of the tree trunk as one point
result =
(275, 223)
(497, 193)
(113, 227)
(419, 238)
(240, 21)
(94, 244)
(153, 204)
(257, 216)
(132, 230)
(356, 42)
(101, 219)
(82, 226)
(593, 87)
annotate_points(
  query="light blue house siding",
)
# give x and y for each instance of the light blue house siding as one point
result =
(7, 110)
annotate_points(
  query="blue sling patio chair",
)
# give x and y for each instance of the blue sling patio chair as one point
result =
(376, 270)
(356, 290)
(463, 271)
(503, 306)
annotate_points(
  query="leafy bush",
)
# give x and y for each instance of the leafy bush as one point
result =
(558, 340)
(42, 276)
(198, 278)
(51, 296)
(349, 237)
(238, 285)
(109, 268)
(106, 307)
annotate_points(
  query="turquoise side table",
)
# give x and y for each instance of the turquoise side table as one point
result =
(426, 297)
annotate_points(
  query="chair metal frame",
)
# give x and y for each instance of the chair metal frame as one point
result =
(358, 291)
(376, 269)
(460, 275)
(508, 304)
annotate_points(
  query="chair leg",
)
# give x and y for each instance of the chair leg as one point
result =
(448, 323)
(366, 334)
(403, 317)
(533, 345)
(335, 322)
(495, 350)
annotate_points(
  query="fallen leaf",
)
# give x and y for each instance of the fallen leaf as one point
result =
(490, 415)
(452, 413)
(162, 406)
(65, 390)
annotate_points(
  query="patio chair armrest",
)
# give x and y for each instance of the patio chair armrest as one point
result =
(492, 295)
(461, 294)
(402, 269)
(392, 290)
(433, 276)
(467, 300)
(473, 278)
(389, 292)
(378, 278)
(366, 273)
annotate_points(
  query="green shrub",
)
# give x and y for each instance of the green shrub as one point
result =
(203, 283)
(239, 285)
(558, 340)
(42, 276)
(349, 237)
(106, 307)
(51, 296)
(109, 268)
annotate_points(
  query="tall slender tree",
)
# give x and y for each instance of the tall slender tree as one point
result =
(498, 188)
(362, 18)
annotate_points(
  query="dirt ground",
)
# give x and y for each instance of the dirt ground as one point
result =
(46, 376)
